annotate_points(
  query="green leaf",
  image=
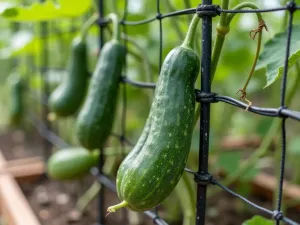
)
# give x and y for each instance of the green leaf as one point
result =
(272, 58)
(229, 161)
(294, 146)
(47, 10)
(258, 220)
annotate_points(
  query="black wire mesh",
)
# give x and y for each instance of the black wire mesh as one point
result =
(206, 10)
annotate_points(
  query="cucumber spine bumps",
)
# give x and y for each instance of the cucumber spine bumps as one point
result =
(155, 165)
(95, 120)
(69, 95)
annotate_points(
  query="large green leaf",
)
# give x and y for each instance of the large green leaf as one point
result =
(258, 220)
(47, 10)
(272, 58)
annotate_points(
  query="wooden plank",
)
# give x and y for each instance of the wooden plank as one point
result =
(14, 204)
(265, 184)
(24, 161)
(14, 207)
(27, 172)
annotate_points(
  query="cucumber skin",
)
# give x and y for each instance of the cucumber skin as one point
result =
(95, 120)
(71, 163)
(67, 98)
(152, 170)
(17, 107)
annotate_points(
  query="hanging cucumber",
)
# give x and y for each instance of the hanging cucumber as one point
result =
(69, 95)
(17, 103)
(95, 120)
(71, 163)
(153, 168)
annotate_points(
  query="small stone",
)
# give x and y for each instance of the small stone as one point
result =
(43, 198)
(74, 216)
(44, 214)
(40, 188)
(62, 199)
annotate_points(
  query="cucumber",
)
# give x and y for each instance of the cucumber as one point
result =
(67, 98)
(95, 120)
(17, 103)
(71, 163)
(153, 168)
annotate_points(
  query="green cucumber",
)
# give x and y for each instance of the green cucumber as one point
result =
(95, 120)
(69, 95)
(17, 103)
(71, 163)
(154, 167)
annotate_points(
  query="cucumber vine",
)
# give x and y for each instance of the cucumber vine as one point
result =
(190, 37)
(223, 28)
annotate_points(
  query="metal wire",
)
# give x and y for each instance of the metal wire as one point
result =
(202, 177)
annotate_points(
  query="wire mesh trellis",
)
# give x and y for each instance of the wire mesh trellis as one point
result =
(207, 11)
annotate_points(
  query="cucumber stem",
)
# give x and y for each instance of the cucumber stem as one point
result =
(116, 27)
(86, 26)
(113, 208)
(190, 37)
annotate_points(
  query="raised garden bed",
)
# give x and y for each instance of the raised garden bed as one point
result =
(28, 197)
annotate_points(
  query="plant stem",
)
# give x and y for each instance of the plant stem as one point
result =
(190, 37)
(223, 18)
(242, 6)
(216, 54)
(113, 208)
(87, 197)
(86, 26)
(185, 195)
(114, 4)
(222, 30)
(116, 26)
(255, 61)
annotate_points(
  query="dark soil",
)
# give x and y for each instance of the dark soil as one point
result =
(17, 145)
(54, 202)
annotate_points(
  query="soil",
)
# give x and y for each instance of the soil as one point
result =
(54, 202)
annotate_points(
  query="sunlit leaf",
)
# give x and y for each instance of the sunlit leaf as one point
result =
(273, 56)
(47, 10)
(258, 220)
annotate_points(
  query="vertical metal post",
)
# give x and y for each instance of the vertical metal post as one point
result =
(101, 213)
(204, 113)
(44, 88)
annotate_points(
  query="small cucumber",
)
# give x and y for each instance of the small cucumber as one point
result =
(155, 165)
(69, 95)
(71, 163)
(95, 120)
(17, 101)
